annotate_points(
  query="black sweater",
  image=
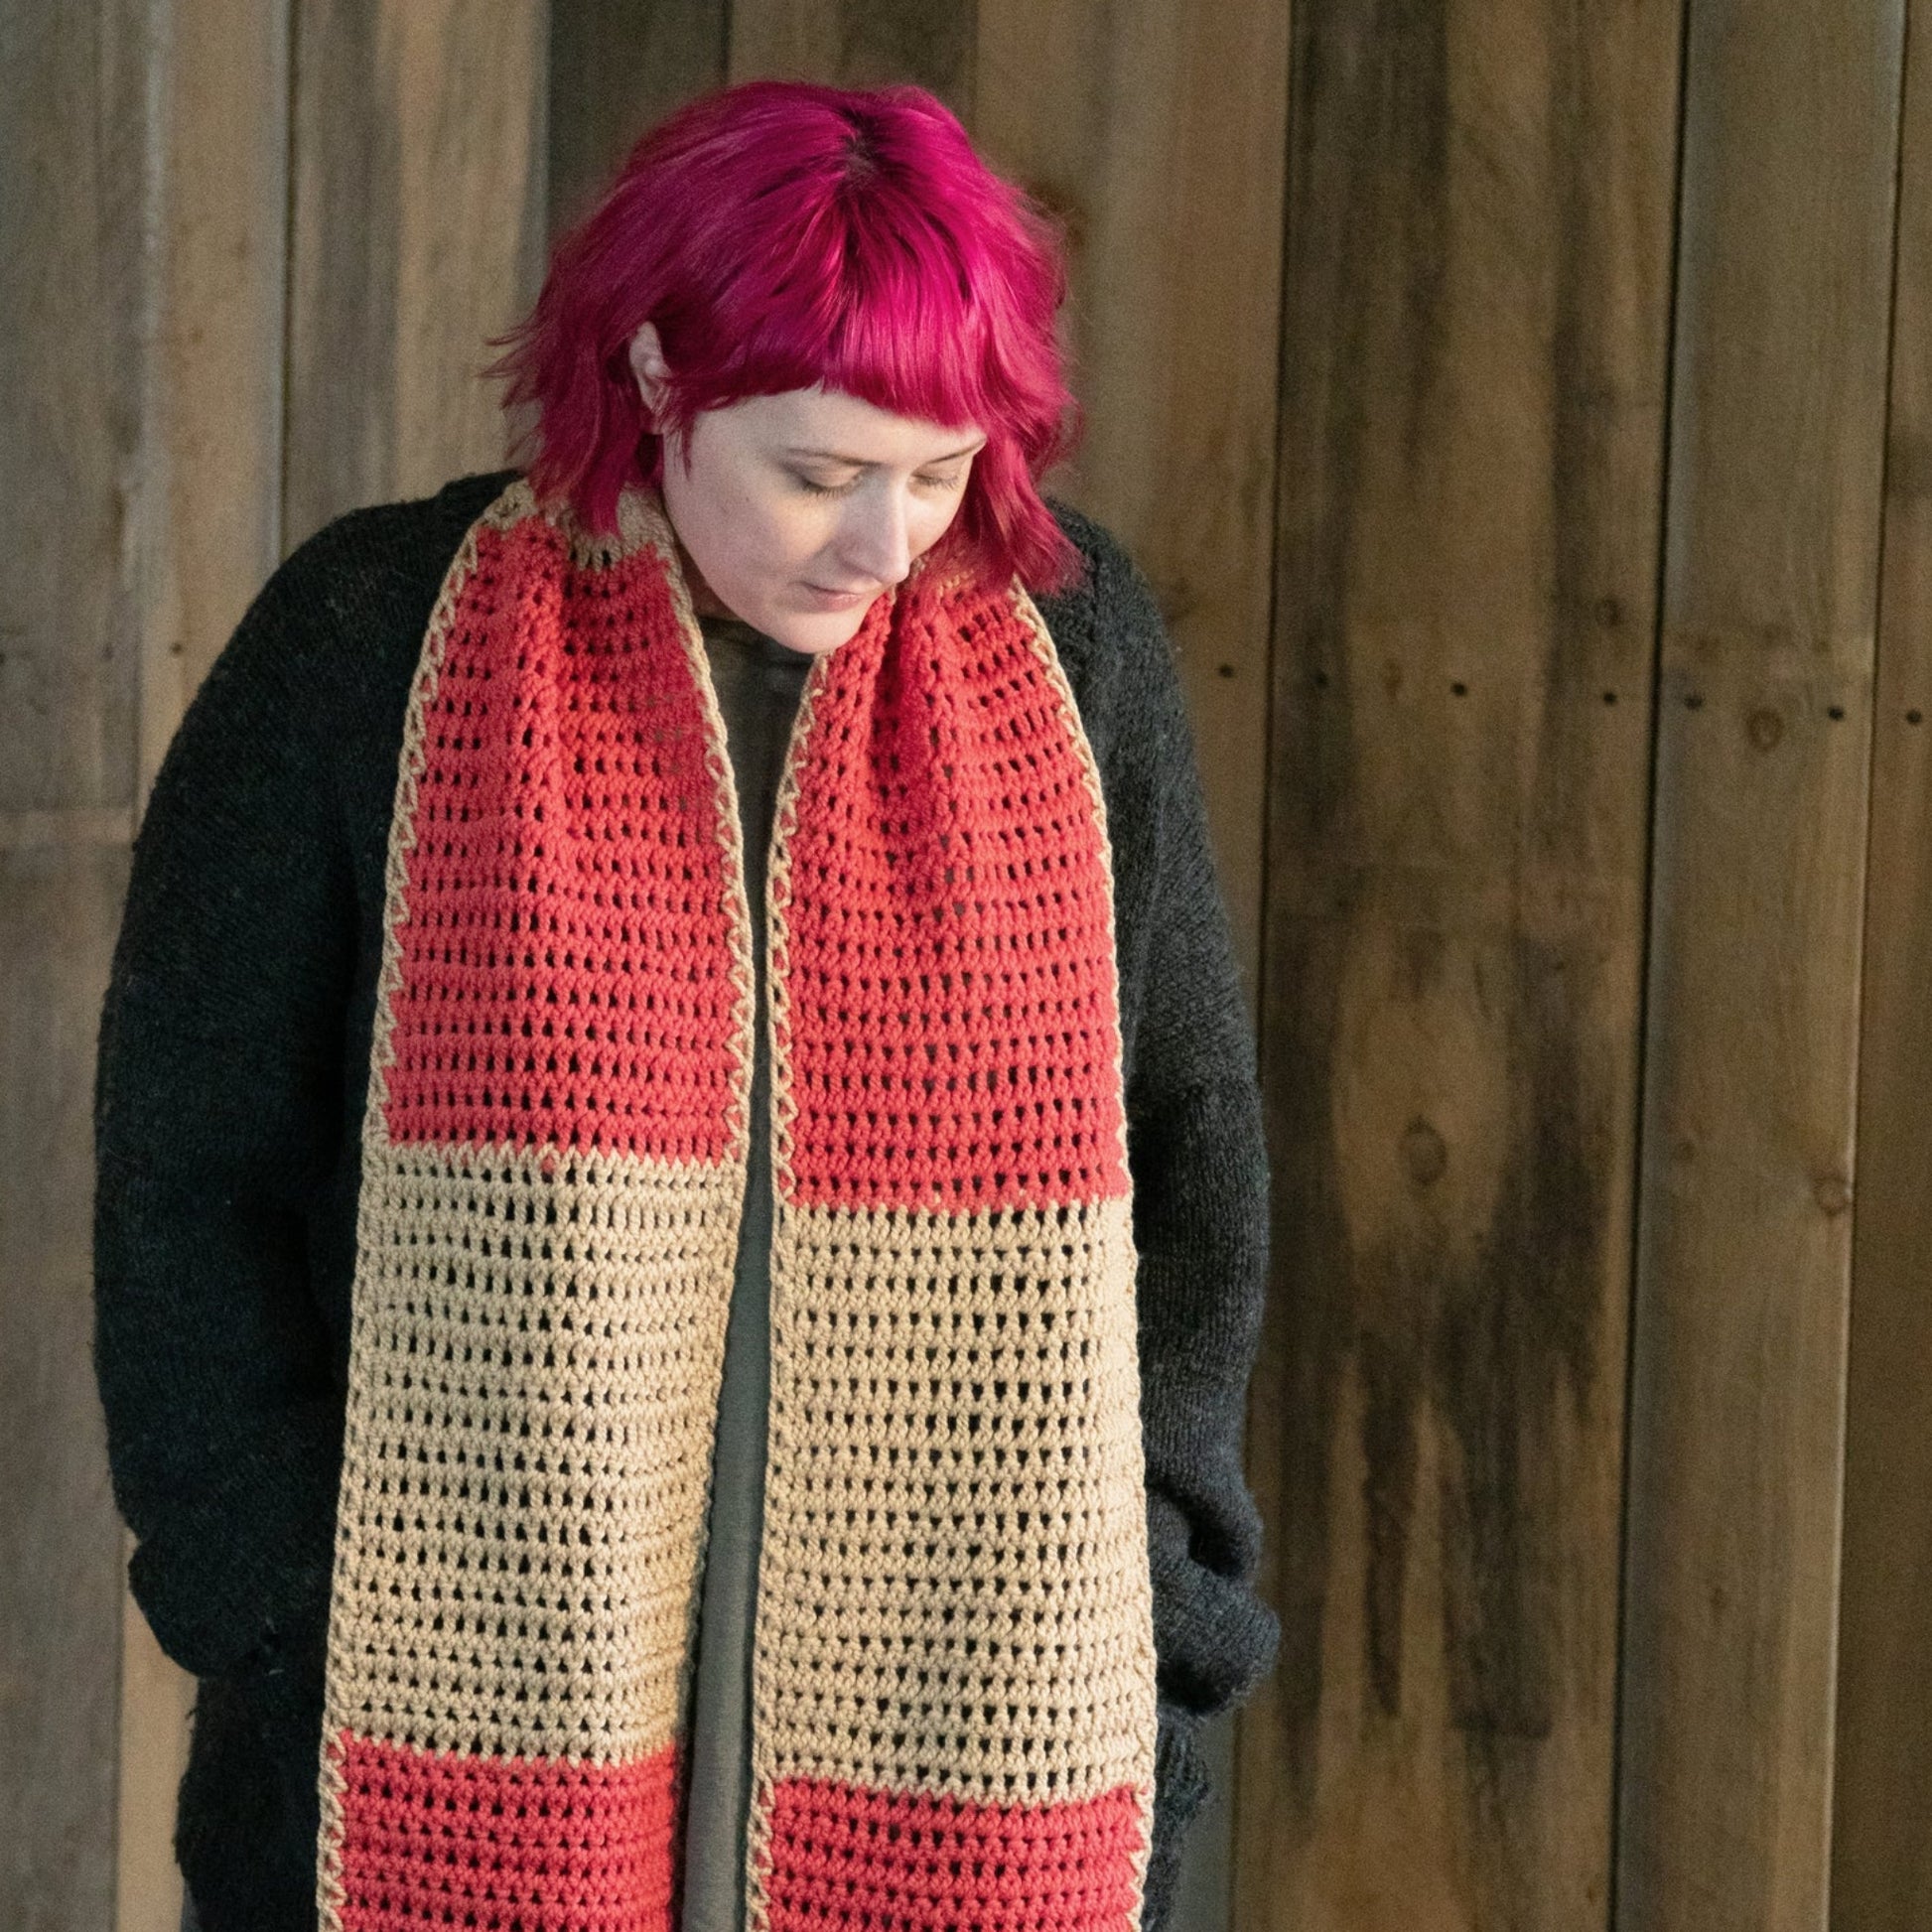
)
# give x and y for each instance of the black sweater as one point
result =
(232, 1075)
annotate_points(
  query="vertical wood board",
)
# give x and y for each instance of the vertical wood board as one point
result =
(75, 307)
(1881, 1858)
(1784, 270)
(615, 69)
(1474, 365)
(859, 43)
(61, 1564)
(212, 478)
(77, 184)
(419, 201)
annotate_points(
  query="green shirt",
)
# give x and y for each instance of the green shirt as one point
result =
(759, 682)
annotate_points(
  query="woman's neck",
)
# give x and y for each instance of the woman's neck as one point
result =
(705, 602)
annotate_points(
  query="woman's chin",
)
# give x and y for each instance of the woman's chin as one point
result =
(815, 632)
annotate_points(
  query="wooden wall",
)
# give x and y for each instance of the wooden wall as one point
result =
(1523, 417)
(1773, 499)
(75, 309)
(1475, 365)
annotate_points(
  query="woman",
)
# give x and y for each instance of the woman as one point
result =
(681, 1211)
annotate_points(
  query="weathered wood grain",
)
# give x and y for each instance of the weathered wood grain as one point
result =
(1158, 135)
(1474, 365)
(859, 43)
(1428, 439)
(76, 211)
(1764, 732)
(77, 198)
(1881, 1857)
(419, 209)
(61, 1569)
(212, 480)
(157, 1701)
(616, 67)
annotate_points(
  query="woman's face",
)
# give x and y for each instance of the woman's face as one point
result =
(796, 511)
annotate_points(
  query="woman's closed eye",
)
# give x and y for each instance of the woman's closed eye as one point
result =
(940, 485)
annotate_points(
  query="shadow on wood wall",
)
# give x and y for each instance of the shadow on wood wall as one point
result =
(1522, 416)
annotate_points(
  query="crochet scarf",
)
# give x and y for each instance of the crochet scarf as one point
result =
(953, 1693)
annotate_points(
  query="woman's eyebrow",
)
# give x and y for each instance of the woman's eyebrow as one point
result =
(859, 462)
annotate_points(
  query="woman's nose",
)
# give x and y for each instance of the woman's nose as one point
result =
(878, 542)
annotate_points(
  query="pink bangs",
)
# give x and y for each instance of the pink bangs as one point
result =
(782, 235)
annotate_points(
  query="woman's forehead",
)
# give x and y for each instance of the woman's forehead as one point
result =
(830, 425)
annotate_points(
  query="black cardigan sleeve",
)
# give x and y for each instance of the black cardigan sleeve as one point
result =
(217, 1093)
(1198, 1159)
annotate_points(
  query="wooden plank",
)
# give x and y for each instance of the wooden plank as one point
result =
(210, 514)
(157, 1701)
(83, 825)
(617, 68)
(73, 212)
(61, 1557)
(1474, 358)
(1881, 1859)
(214, 425)
(1160, 136)
(77, 188)
(857, 44)
(1744, 1242)
(419, 207)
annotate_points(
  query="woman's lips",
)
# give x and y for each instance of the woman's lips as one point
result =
(838, 600)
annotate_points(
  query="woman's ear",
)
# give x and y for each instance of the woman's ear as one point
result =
(648, 365)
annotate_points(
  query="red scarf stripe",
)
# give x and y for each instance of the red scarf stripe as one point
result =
(510, 1845)
(841, 1857)
(577, 793)
(503, 1845)
(942, 930)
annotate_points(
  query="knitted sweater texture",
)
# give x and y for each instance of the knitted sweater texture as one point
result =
(233, 1089)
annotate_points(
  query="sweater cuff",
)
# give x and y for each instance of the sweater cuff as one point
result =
(239, 1573)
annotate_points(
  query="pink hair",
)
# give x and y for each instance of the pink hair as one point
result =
(783, 235)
